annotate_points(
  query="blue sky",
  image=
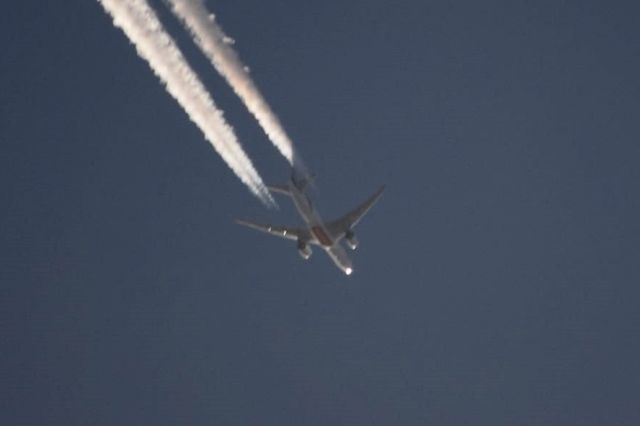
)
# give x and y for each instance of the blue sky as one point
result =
(496, 280)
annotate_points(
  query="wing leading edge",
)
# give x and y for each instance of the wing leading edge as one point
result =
(348, 221)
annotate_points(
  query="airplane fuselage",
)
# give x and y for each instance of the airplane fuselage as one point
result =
(330, 243)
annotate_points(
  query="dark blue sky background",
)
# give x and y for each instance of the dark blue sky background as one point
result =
(497, 279)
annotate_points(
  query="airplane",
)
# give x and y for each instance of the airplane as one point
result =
(327, 235)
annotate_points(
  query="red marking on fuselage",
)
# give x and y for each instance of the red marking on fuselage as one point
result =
(321, 236)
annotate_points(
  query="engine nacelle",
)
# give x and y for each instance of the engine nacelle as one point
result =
(304, 250)
(351, 239)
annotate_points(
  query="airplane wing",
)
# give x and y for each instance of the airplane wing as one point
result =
(279, 231)
(350, 220)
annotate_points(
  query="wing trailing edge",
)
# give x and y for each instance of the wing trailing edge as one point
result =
(278, 231)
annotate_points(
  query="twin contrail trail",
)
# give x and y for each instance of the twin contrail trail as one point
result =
(143, 28)
(213, 42)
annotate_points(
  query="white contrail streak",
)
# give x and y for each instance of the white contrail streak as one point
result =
(143, 28)
(208, 35)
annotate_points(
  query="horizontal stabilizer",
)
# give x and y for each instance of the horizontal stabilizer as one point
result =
(279, 189)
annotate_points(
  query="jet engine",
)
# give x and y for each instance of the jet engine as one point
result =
(351, 239)
(304, 250)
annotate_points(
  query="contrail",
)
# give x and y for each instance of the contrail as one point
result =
(216, 45)
(145, 31)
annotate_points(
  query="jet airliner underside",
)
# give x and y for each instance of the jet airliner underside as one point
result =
(316, 232)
